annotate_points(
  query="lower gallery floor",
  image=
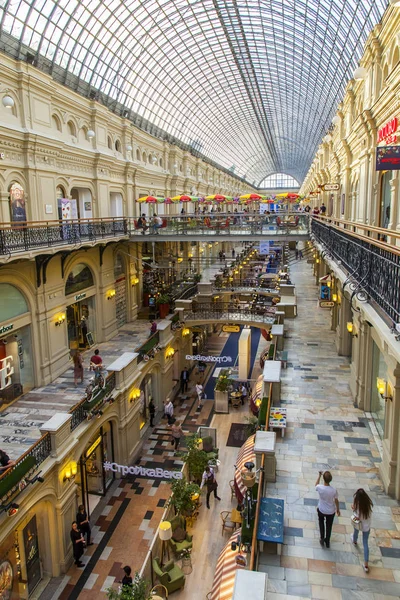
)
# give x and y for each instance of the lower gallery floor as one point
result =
(324, 431)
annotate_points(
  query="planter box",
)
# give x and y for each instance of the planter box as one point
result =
(221, 402)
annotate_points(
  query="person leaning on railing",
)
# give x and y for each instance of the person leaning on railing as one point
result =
(5, 462)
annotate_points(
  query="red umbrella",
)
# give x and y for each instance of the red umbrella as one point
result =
(168, 201)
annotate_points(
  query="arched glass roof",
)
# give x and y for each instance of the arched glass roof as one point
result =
(279, 180)
(252, 83)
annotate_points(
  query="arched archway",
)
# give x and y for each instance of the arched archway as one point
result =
(120, 290)
(81, 307)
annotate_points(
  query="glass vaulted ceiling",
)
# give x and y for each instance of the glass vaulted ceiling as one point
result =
(252, 84)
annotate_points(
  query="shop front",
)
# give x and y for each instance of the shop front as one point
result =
(378, 403)
(16, 355)
(94, 480)
(120, 291)
(146, 394)
(81, 308)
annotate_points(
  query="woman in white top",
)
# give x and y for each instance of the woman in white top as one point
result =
(362, 508)
(199, 391)
(328, 504)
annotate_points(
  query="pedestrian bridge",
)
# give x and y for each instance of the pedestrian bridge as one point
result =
(245, 317)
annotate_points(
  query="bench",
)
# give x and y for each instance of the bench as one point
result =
(283, 358)
(270, 523)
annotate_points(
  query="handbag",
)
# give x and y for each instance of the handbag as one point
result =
(356, 522)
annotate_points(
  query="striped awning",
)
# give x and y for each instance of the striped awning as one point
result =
(256, 394)
(246, 454)
(224, 578)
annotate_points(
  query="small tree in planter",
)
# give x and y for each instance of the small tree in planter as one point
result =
(163, 305)
(139, 590)
(195, 458)
(182, 492)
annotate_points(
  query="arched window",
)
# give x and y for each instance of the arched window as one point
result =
(137, 154)
(119, 268)
(150, 159)
(71, 128)
(118, 145)
(79, 279)
(109, 142)
(279, 180)
(395, 58)
(144, 157)
(60, 192)
(160, 162)
(12, 302)
(56, 123)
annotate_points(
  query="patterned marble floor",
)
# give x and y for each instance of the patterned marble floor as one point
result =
(325, 431)
(20, 422)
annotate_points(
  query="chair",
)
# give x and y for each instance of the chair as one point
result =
(170, 575)
(226, 521)
(232, 486)
(178, 522)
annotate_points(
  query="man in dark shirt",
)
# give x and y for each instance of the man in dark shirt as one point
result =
(96, 360)
(184, 380)
(5, 462)
(322, 209)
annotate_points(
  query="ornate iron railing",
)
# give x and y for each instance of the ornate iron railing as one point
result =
(373, 266)
(81, 410)
(146, 348)
(25, 465)
(22, 237)
(223, 311)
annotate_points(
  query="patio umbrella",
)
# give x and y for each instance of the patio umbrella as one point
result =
(168, 201)
(288, 196)
(150, 199)
(184, 198)
(250, 197)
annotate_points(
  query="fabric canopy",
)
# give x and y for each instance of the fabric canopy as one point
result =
(225, 572)
(256, 394)
(246, 454)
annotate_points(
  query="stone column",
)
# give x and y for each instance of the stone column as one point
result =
(388, 468)
(361, 364)
(343, 338)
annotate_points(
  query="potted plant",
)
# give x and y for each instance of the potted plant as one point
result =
(221, 391)
(195, 458)
(182, 494)
(163, 305)
(139, 590)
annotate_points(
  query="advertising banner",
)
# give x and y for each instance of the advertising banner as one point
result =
(388, 158)
(32, 557)
(17, 203)
(264, 248)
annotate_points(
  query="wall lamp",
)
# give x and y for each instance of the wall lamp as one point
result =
(135, 280)
(185, 332)
(135, 395)
(383, 387)
(70, 471)
(111, 295)
(334, 297)
(350, 329)
(60, 320)
(8, 101)
(169, 353)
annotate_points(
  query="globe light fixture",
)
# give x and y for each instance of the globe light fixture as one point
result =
(360, 73)
(90, 134)
(8, 102)
(336, 118)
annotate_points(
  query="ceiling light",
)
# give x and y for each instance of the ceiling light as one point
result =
(8, 102)
(360, 73)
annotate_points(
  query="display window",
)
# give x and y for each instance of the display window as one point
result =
(146, 393)
(384, 209)
(81, 324)
(94, 480)
(378, 404)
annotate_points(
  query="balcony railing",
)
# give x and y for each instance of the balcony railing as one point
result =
(24, 237)
(373, 265)
(225, 311)
(10, 480)
(147, 348)
(81, 410)
(227, 224)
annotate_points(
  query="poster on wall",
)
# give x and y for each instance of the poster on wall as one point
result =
(32, 557)
(388, 158)
(67, 209)
(264, 248)
(17, 203)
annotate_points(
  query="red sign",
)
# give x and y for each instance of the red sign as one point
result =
(386, 133)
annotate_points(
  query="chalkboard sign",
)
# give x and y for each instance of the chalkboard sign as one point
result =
(89, 339)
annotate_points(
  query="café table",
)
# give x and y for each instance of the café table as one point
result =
(236, 399)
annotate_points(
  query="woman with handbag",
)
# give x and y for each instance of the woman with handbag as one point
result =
(177, 434)
(361, 521)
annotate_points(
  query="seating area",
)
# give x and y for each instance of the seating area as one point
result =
(169, 575)
(181, 539)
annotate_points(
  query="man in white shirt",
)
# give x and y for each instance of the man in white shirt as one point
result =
(243, 391)
(157, 223)
(169, 410)
(328, 504)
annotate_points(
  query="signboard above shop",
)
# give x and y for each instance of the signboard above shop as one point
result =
(231, 328)
(330, 187)
(388, 158)
(387, 132)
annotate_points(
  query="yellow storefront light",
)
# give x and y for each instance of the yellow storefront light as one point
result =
(350, 327)
(334, 297)
(381, 385)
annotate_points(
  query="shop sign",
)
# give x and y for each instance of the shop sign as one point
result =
(80, 297)
(93, 447)
(231, 328)
(6, 370)
(6, 328)
(216, 359)
(32, 557)
(388, 158)
(330, 187)
(326, 304)
(386, 133)
(135, 470)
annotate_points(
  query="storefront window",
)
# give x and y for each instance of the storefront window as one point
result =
(94, 480)
(384, 217)
(378, 405)
(79, 279)
(146, 393)
(81, 323)
(12, 302)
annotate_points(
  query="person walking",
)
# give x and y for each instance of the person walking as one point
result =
(243, 391)
(233, 253)
(77, 544)
(152, 412)
(328, 504)
(169, 411)
(184, 380)
(83, 523)
(362, 509)
(200, 393)
(209, 480)
(153, 328)
(127, 579)
(177, 434)
(78, 367)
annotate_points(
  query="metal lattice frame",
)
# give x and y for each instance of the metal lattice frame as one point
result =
(251, 84)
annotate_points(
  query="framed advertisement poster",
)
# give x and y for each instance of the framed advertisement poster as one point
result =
(32, 556)
(17, 204)
(388, 158)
